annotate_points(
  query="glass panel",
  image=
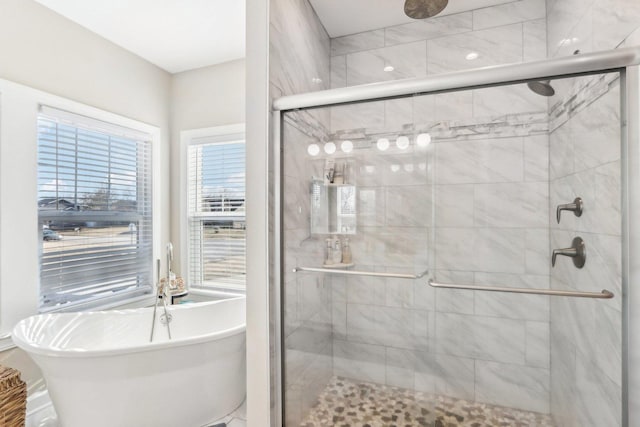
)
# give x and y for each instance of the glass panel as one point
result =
(465, 184)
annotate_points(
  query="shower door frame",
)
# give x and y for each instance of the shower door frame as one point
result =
(626, 61)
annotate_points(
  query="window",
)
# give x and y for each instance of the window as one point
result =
(94, 210)
(216, 212)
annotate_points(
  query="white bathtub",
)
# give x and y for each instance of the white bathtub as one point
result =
(101, 369)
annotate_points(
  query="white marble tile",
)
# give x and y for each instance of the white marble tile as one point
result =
(423, 295)
(454, 205)
(478, 337)
(534, 36)
(366, 290)
(484, 161)
(536, 158)
(562, 19)
(499, 250)
(563, 378)
(613, 21)
(409, 206)
(508, 13)
(501, 45)
(398, 112)
(399, 293)
(502, 100)
(512, 306)
(448, 107)
(537, 251)
(452, 300)
(357, 42)
(425, 29)
(520, 387)
(371, 206)
(339, 319)
(596, 132)
(446, 375)
(389, 326)
(511, 204)
(538, 345)
(338, 71)
(358, 116)
(407, 60)
(561, 152)
(599, 400)
(400, 368)
(359, 361)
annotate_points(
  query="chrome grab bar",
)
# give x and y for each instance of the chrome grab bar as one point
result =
(605, 294)
(361, 273)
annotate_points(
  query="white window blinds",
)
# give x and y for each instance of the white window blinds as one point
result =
(216, 212)
(94, 210)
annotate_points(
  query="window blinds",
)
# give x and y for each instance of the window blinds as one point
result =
(216, 207)
(94, 210)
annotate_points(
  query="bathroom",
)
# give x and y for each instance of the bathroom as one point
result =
(451, 186)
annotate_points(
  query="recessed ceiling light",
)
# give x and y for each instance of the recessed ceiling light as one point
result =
(388, 68)
(382, 144)
(313, 149)
(329, 148)
(472, 55)
(316, 80)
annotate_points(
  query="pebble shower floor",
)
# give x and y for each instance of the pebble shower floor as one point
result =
(358, 404)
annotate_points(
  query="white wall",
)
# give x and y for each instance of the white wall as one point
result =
(43, 50)
(201, 98)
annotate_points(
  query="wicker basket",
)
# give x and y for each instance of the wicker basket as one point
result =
(13, 398)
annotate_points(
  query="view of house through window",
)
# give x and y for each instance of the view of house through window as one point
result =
(216, 212)
(94, 210)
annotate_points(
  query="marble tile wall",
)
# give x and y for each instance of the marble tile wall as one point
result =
(512, 32)
(489, 146)
(586, 337)
(299, 62)
(585, 159)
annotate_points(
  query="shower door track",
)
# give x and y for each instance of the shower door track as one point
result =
(624, 60)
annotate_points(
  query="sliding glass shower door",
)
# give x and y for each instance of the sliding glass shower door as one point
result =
(418, 236)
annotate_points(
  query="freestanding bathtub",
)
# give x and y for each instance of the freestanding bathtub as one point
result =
(102, 371)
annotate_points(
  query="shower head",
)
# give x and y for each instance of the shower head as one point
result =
(421, 9)
(543, 87)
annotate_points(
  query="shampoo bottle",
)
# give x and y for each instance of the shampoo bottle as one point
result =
(346, 252)
(329, 259)
(337, 251)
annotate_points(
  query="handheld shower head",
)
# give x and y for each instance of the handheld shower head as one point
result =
(421, 9)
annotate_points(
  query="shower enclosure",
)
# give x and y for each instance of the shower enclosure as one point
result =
(460, 250)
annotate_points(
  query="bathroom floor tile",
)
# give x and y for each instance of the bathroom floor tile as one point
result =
(348, 403)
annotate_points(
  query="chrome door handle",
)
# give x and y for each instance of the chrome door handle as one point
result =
(575, 207)
(577, 251)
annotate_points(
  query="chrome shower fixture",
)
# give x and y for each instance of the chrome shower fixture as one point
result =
(421, 9)
(542, 87)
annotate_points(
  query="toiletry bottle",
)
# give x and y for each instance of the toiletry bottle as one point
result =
(329, 259)
(337, 251)
(338, 177)
(346, 252)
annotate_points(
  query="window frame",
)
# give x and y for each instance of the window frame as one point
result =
(109, 129)
(188, 138)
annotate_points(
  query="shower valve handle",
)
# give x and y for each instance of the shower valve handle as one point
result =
(577, 251)
(575, 207)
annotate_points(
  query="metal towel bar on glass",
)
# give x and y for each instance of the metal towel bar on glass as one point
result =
(605, 294)
(361, 273)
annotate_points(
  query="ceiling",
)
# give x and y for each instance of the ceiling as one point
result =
(175, 35)
(342, 17)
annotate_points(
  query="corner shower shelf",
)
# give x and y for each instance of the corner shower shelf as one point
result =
(361, 273)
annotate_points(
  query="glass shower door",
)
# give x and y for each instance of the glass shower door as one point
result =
(390, 309)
